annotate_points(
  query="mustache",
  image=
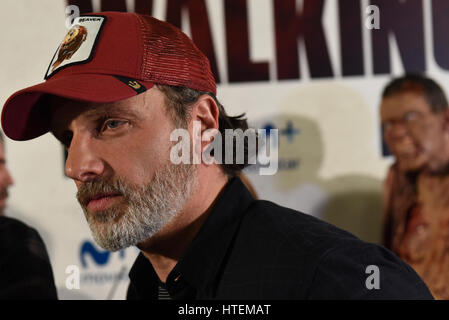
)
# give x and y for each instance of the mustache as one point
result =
(98, 187)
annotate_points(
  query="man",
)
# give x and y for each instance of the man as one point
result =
(415, 114)
(114, 106)
(25, 267)
(5, 177)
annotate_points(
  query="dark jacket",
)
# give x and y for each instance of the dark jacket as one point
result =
(25, 270)
(252, 249)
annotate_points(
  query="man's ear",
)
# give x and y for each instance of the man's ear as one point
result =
(206, 111)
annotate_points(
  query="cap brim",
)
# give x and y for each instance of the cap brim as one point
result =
(23, 117)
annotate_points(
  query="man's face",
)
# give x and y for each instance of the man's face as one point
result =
(119, 158)
(413, 133)
(5, 179)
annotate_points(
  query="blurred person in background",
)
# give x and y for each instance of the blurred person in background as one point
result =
(25, 270)
(5, 177)
(415, 120)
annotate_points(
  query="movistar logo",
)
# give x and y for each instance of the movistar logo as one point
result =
(100, 257)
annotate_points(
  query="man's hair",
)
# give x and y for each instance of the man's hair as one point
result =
(179, 101)
(431, 91)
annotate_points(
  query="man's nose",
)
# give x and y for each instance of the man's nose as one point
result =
(83, 162)
(5, 177)
(9, 179)
(398, 130)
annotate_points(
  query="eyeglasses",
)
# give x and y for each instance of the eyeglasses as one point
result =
(408, 120)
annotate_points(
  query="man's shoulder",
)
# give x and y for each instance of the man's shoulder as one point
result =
(294, 228)
(16, 229)
(15, 236)
(300, 256)
(280, 242)
(27, 272)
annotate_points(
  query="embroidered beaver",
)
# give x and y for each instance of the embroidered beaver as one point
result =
(72, 41)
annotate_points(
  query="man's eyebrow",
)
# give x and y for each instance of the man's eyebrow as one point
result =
(94, 113)
(110, 110)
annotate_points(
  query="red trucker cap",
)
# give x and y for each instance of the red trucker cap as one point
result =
(107, 57)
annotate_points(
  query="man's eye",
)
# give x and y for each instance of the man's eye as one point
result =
(112, 124)
(409, 116)
(387, 125)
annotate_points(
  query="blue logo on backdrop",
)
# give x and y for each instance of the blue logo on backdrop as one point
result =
(290, 134)
(100, 257)
(290, 131)
(92, 258)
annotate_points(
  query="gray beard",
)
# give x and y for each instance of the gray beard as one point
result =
(145, 211)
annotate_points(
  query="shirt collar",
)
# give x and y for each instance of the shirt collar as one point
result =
(201, 263)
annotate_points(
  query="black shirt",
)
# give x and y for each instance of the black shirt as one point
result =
(25, 270)
(252, 249)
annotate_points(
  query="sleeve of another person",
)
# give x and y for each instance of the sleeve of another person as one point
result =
(25, 269)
